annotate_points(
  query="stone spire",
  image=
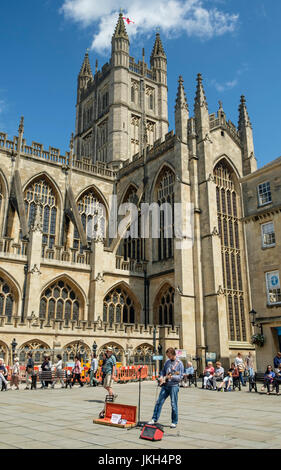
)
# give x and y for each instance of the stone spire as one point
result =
(120, 29)
(181, 113)
(85, 75)
(158, 61)
(158, 49)
(181, 102)
(200, 98)
(21, 125)
(244, 120)
(120, 45)
(246, 137)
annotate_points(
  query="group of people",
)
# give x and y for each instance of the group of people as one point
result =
(68, 378)
(215, 378)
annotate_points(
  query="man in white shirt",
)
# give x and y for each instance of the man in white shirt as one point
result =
(93, 369)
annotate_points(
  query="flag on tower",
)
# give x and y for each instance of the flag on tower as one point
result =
(128, 20)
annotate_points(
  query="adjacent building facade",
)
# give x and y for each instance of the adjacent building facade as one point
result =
(65, 283)
(262, 220)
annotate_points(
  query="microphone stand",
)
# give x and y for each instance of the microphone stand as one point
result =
(140, 423)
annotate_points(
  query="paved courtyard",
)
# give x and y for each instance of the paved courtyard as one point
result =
(63, 419)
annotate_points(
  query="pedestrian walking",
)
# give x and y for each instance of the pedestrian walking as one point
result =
(93, 371)
(29, 370)
(170, 378)
(109, 370)
(3, 376)
(59, 372)
(77, 372)
(15, 377)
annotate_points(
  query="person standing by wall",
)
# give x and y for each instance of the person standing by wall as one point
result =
(29, 370)
(170, 378)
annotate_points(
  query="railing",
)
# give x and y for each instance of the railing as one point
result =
(9, 246)
(72, 255)
(128, 265)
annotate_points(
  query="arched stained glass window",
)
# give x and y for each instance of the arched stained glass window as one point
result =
(119, 307)
(59, 301)
(93, 217)
(40, 190)
(228, 222)
(7, 299)
(165, 198)
(165, 306)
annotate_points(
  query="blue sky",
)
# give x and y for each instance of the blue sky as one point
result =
(235, 44)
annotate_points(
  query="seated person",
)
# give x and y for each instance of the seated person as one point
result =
(227, 381)
(218, 375)
(268, 379)
(277, 378)
(188, 373)
(207, 374)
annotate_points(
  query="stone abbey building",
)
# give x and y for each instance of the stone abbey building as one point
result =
(62, 289)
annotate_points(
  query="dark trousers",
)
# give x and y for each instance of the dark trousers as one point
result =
(277, 381)
(78, 378)
(267, 383)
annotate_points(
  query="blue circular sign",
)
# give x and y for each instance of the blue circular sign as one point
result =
(274, 280)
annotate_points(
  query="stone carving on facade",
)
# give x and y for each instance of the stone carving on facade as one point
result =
(38, 222)
(99, 277)
(211, 178)
(179, 290)
(220, 290)
(34, 319)
(34, 270)
(215, 232)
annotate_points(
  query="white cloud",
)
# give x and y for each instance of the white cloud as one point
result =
(221, 87)
(174, 17)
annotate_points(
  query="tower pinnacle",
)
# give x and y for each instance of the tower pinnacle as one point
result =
(86, 70)
(120, 29)
(244, 120)
(158, 49)
(181, 102)
(200, 98)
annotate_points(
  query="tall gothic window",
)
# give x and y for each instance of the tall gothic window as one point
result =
(228, 222)
(1, 202)
(164, 307)
(165, 194)
(41, 190)
(119, 307)
(133, 248)
(60, 302)
(92, 214)
(7, 299)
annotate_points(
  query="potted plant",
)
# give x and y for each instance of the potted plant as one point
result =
(258, 339)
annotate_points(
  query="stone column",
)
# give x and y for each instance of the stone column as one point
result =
(33, 284)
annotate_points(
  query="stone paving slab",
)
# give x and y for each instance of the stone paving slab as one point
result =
(60, 418)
